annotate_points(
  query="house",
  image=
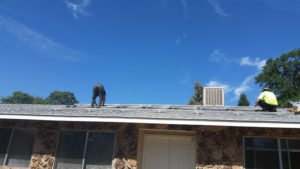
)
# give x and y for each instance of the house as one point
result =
(147, 137)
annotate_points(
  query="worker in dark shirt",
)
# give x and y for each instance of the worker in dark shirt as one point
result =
(98, 90)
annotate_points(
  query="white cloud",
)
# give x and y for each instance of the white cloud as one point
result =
(183, 4)
(185, 7)
(237, 90)
(37, 41)
(179, 38)
(243, 87)
(214, 83)
(259, 64)
(78, 8)
(186, 78)
(217, 7)
(218, 56)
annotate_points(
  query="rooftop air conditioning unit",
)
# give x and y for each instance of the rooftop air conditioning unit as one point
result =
(213, 96)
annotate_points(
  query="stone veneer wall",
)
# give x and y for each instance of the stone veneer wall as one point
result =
(218, 147)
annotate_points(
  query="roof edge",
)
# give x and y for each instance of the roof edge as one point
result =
(264, 124)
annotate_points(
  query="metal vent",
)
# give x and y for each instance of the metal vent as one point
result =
(213, 96)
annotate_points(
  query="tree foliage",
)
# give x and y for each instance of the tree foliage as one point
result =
(55, 97)
(243, 100)
(39, 100)
(282, 76)
(18, 98)
(58, 97)
(196, 99)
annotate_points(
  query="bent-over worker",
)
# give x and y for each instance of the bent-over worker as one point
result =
(98, 90)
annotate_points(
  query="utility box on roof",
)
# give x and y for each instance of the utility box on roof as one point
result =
(213, 96)
(296, 106)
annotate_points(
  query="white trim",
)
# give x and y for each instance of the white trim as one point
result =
(8, 146)
(244, 153)
(279, 153)
(114, 149)
(84, 149)
(288, 150)
(266, 124)
(56, 148)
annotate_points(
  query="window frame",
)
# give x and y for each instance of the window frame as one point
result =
(87, 132)
(278, 140)
(9, 145)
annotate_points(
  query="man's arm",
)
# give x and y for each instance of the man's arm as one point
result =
(256, 103)
(260, 97)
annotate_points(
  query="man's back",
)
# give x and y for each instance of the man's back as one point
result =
(268, 97)
(98, 90)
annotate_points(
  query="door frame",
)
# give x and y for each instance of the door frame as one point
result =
(143, 132)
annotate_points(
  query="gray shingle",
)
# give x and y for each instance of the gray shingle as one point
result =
(171, 112)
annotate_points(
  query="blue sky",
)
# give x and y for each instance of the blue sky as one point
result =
(143, 51)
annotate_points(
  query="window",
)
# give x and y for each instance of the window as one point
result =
(88, 150)
(4, 135)
(290, 152)
(275, 153)
(16, 146)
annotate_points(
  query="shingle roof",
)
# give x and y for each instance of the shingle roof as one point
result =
(157, 114)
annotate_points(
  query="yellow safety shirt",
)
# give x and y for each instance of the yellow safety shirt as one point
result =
(268, 97)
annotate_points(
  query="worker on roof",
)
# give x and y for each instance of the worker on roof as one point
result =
(98, 90)
(267, 100)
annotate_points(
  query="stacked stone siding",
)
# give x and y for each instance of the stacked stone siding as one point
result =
(217, 147)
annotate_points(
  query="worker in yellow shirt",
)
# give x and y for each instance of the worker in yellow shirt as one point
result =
(267, 100)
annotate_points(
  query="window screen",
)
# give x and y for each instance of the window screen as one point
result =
(290, 152)
(261, 153)
(4, 139)
(70, 149)
(267, 153)
(21, 147)
(76, 150)
(99, 152)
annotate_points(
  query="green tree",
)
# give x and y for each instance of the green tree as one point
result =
(282, 76)
(18, 98)
(196, 99)
(58, 97)
(39, 100)
(243, 100)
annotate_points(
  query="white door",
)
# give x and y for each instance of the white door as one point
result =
(169, 152)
